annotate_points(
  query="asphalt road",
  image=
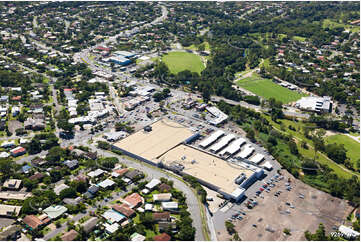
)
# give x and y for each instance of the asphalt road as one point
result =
(258, 108)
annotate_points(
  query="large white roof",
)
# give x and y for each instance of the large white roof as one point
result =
(214, 136)
(223, 142)
(257, 158)
(248, 149)
(234, 146)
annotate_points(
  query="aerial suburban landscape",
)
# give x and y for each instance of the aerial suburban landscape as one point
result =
(189, 121)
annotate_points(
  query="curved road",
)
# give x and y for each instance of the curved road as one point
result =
(153, 172)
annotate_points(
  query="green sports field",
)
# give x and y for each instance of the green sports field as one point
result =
(352, 146)
(266, 88)
(180, 61)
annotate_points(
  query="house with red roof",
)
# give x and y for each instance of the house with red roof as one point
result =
(124, 209)
(162, 237)
(134, 200)
(33, 222)
(18, 151)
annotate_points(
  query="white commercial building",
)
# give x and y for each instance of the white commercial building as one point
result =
(238, 194)
(234, 147)
(315, 104)
(214, 136)
(222, 143)
(219, 116)
(246, 152)
(258, 158)
(267, 165)
(115, 136)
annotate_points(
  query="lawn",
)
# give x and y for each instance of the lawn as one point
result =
(149, 233)
(266, 63)
(266, 88)
(180, 61)
(352, 146)
(299, 38)
(328, 23)
(193, 47)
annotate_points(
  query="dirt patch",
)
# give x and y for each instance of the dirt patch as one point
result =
(14, 125)
(272, 215)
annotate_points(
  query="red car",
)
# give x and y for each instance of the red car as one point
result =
(261, 189)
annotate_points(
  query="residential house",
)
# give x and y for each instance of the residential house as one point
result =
(170, 206)
(119, 172)
(81, 177)
(163, 216)
(134, 200)
(113, 216)
(4, 154)
(10, 233)
(12, 184)
(124, 209)
(72, 201)
(60, 188)
(25, 169)
(90, 224)
(133, 174)
(34, 124)
(152, 184)
(91, 155)
(111, 228)
(162, 197)
(14, 195)
(70, 235)
(18, 151)
(148, 207)
(97, 173)
(164, 226)
(162, 237)
(8, 144)
(92, 190)
(137, 237)
(4, 99)
(71, 164)
(36, 176)
(38, 161)
(54, 212)
(107, 183)
(9, 210)
(164, 187)
(33, 222)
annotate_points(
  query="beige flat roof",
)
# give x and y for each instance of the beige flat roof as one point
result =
(206, 167)
(165, 135)
(6, 210)
(14, 195)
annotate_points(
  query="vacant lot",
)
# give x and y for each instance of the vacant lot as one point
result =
(180, 61)
(352, 146)
(273, 213)
(266, 88)
(14, 125)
